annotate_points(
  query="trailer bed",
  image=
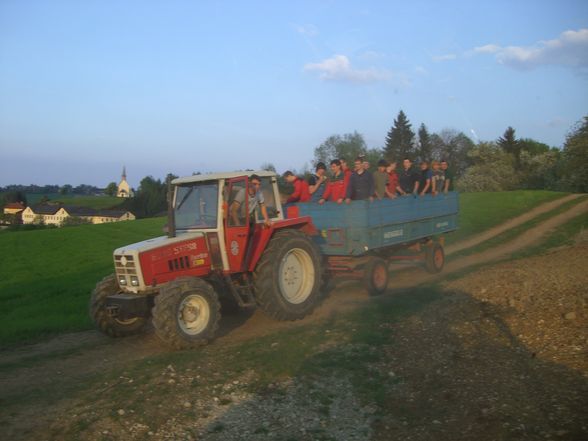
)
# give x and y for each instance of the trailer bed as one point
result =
(360, 227)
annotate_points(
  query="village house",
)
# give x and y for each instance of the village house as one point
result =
(13, 213)
(57, 214)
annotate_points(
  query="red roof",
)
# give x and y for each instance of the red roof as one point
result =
(15, 205)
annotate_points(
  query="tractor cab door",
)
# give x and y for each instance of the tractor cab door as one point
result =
(236, 222)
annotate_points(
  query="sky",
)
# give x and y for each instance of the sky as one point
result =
(87, 87)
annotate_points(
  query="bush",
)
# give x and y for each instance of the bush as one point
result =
(493, 170)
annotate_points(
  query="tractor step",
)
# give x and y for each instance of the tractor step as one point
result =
(242, 292)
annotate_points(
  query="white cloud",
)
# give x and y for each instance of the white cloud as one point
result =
(338, 68)
(445, 57)
(421, 70)
(307, 30)
(569, 49)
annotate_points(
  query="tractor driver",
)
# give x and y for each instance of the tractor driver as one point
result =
(255, 199)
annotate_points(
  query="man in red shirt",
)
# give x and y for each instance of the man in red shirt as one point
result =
(392, 180)
(337, 185)
(301, 193)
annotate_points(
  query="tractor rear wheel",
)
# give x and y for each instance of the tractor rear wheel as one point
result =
(186, 313)
(104, 321)
(287, 279)
(376, 276)
(434, 258)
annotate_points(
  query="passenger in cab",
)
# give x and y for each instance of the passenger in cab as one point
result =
(336, 186)
(318, 182)
(361, 183)
(408, 180)
(425, 178)
(301, 193)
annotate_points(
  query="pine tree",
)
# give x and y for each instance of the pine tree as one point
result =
(400, 139)
(425, 147)
(509, 143)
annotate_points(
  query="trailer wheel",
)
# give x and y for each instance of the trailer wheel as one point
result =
(376, 276)
(287, 279)
(104, 321)
(434, 258)
(186, 313)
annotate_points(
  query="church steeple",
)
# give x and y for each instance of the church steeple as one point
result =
(124, 174)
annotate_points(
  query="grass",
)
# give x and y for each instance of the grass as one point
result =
(97, 202)
(481, 211)
(516, 231)
(46, 276)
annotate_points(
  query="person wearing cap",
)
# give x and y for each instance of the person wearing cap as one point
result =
(361, 184)
(318, 182)
(336, 186)
(300, 193)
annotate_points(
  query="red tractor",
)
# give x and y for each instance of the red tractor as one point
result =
(211, 250)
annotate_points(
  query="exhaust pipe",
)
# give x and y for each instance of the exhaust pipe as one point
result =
(171, 220)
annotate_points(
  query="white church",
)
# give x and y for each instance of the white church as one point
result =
(124, 189)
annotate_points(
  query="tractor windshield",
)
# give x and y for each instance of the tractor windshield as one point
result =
(196, 205)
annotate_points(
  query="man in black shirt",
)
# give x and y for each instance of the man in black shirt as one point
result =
(408, 180)
(361, 184)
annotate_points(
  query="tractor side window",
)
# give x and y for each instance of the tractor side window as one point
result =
(268, 195)
(237, 206)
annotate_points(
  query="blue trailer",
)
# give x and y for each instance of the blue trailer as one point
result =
(362, 238)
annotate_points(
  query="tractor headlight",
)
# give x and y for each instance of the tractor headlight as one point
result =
(134, 281)
(122, 280)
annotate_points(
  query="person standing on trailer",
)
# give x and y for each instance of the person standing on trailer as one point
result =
(448, 174)
(318, 182)
(381, 179)
(361, 184)
(301, 193)
(392, 180)
(408, 182)
(425, 179)
(437, 181)
(336, 187)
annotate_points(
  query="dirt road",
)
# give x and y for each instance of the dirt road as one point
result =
(61, 363)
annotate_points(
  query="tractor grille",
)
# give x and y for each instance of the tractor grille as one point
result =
(125, 265)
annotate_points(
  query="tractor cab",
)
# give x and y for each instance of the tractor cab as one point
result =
(217, 205)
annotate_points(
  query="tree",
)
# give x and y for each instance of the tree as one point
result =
(425, 148)
(268, 166)
(492, 170)
(348, 147)
(574, 167)
(509, 143)
(13, 196)
(452, 146)
(65, 189)
(533, 147)
(111, 189)
(400, 139)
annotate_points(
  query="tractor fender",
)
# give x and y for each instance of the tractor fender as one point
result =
(263, 235)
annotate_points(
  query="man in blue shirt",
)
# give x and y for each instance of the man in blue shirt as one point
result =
(361, 184)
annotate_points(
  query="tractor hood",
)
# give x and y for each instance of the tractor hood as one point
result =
(157, 242)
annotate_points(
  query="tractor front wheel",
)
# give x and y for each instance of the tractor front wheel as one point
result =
(287, 279)
(106, 323)
(186, 313)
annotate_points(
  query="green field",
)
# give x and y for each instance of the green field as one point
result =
(46, 276)
(98, 202)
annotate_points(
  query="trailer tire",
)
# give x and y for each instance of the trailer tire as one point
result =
(376, 276)
(107, 324)
(288, 277)
(186, 313)
(434, 258)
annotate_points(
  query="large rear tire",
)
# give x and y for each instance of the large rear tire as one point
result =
(287, 279)
(107, 324)
(186, 313)
(376, 276)
(434, 258)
